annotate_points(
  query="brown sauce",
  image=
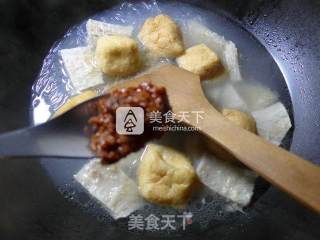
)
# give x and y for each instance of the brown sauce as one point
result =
(105, 141)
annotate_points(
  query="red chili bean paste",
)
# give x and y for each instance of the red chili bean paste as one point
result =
(105, 142)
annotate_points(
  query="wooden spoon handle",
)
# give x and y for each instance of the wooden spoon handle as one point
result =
(292, 174)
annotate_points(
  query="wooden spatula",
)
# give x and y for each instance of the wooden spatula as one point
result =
(292, 174)
(63, 136)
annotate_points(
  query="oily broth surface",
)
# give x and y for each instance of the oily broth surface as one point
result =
(52, 89)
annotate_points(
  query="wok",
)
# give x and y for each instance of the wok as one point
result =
(31, 205)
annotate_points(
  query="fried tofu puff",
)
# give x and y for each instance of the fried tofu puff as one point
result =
(165, 176)
(74, 101)
(162, 36)
(117, 56)
(201, 60)
(241, 119)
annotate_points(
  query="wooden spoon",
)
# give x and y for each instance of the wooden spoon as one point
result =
(63, 136)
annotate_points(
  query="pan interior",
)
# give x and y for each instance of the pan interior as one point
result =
(51, 89)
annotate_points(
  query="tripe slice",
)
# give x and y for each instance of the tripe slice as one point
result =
(129, 164)
(273, 122)
(96, 29)
(79, 65)
(231, 60)
(230, 98)
(197, 33)
(233, 182)
(256, 95)
(109, 185)
(224, 95)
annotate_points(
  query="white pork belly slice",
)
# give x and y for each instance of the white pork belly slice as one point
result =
(233, 182)
(97, 29)
(80, 69)
(273, 122)
(109, 185)
(197, 33)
